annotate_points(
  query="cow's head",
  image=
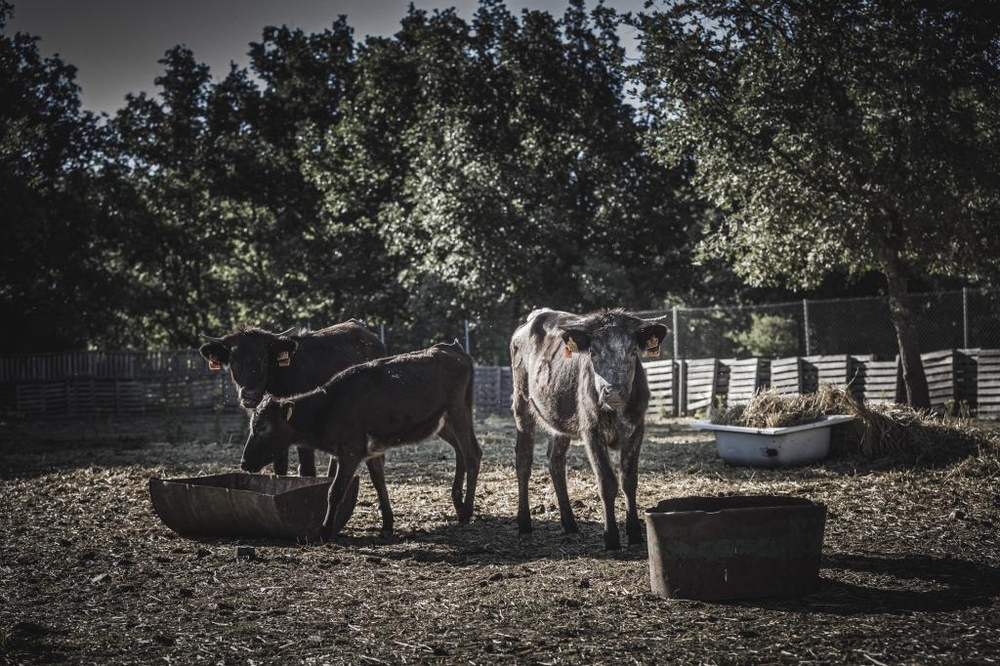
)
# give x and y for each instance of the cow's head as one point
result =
(270, 434)
(612, 342)
(252, 355)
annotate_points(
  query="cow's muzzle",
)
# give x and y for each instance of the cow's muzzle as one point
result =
(250, 399)
(613, 397)
(246, 466)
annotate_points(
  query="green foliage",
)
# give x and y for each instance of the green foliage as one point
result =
(769, 336)
(53, 286)
(458, 169)
(849, 136)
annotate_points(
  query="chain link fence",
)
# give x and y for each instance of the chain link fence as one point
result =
(961, 319)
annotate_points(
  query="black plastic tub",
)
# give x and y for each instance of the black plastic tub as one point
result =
(248, 505)
(741, 547)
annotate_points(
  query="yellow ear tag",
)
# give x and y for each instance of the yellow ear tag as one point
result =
(284, 359)
(288, 412)
(570, 348)
(653, 346)
(213, 363)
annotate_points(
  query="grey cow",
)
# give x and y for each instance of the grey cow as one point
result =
(580, 377)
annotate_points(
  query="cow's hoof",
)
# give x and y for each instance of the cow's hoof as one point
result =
(612, 541)
(523, 521)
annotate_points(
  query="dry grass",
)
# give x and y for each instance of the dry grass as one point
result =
(89, 575)
(878, 430)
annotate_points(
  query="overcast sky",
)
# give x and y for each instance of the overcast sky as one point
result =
(115, 44)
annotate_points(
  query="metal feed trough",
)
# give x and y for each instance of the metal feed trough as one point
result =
(739, 547)
(248, 505)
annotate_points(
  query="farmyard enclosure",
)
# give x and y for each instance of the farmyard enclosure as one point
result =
(89, 574)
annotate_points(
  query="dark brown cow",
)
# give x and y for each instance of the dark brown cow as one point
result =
(580, 377)
(294, 362)
(370, 408)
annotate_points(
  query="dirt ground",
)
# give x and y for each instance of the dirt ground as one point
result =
(89, 574)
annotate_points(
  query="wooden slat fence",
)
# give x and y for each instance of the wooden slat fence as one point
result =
(701, 383)
(988, 384)
(786, 375)
(877, 382)
(939, 367)
(98, 383)
(662, 378)
(746, 377)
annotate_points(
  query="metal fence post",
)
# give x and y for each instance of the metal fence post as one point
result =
(467, 337)
(677, 335)
(805, 323)
(381, 333)
(965, 316)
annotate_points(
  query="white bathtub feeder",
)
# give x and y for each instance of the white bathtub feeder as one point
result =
(774, 447)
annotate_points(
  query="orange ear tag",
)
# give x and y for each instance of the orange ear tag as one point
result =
(570, 348)
(284, 359)
(213, 363)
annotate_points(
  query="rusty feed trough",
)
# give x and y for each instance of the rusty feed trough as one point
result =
(742, 547)
(248, 505)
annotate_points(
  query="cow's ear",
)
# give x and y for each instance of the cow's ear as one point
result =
(283, 348)
(574, 340)
(650, 337)
(216, 353)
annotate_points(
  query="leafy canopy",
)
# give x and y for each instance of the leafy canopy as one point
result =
(856, 136)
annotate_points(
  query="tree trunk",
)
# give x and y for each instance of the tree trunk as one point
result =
(914, 379)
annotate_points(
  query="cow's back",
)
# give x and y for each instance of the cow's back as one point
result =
(324, 353)
(414, 386)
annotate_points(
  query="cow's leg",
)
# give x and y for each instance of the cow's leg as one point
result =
(524, 451)
(307, 461)
(459, 425)
(447, 433)
(473, 462)
(558, 445)
(607, 484)
(281, 463)
(629, 460)
(376, 470)
(346, 467)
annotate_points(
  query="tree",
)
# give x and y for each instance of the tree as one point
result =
(856, 136)
(53, 287)
(501, 168)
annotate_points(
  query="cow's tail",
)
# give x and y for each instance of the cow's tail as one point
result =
(470, 388)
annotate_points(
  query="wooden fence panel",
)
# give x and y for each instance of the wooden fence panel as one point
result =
(939, 368)
(988, 384)
(879, 381)
(966, 379)
(700, 383)
(746, 377)
(817, 370)
(661, 377)
(786, 375)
